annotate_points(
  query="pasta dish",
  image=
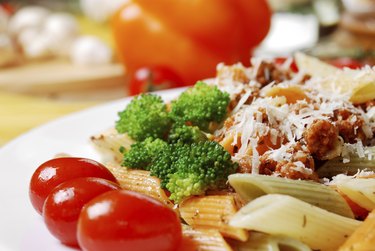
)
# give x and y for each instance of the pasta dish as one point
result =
(302, 147)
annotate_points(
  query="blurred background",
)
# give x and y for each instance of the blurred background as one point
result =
(61, 56)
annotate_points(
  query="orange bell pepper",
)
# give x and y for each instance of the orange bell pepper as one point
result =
(190, 37)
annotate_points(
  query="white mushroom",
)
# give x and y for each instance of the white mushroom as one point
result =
(42, 34)
(89, 50)
(38, 48)
(62, 29)
(27, 17)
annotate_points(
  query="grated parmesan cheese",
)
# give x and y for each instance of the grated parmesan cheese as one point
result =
(286, 122)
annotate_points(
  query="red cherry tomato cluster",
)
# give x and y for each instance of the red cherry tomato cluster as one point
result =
(56, 171)
(128, 221)
(83, 205)
(64, 204)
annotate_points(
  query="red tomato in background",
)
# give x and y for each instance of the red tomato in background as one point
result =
(64, 204)
(346, 62)
(125, 220)
(9, 8)
(149, 79)
(56, 171)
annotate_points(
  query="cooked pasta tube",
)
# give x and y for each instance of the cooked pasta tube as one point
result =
(205, 239)
(360, 84)
(140, 181)
(336, 166)
(313, 66)
(264, 242)
(213, 211)
(359, 190)
(363, 239)
(108, 144)
(227, 143)
(250, 186)
(292, 93)
(285, 215)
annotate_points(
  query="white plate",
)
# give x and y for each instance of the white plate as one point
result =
(21, 228)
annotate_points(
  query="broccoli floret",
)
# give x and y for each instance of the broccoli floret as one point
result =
(182, 185)
(200, 105)
(162, 166)
(145, 116)
(141, 154)
(187, 170)
(185, 134)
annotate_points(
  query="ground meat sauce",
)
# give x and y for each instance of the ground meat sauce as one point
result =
(267, 135)
(289, 169)
(320, 138)
(270, 72)
(349, 125)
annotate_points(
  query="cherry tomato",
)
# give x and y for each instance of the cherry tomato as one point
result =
(56, 171)
(64, 204)
(125, 220)
(346, 62)
(148, 79)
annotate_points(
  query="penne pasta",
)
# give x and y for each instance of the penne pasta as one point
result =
(250, 186)
(360, 84)
(109, 143)
(363, 239)
(291, 93)
(288, 126)
(227, 143)
(264, 242)
(313, 66)
(140, 181)
(213, 211)
(204, 239)
(294, 218)
(359, 190)
(355, 163)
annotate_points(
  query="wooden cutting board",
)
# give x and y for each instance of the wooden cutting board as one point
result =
(62, 79)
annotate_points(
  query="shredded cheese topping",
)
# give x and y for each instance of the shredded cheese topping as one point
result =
(257, 117)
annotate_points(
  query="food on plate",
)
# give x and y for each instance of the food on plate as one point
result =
(198, 34)
(318, 228)
(125, 220)
(56, 171)
(140, 181)
(202, 212)
(145, 117)
(199, 106)
(359, 85)
(363, 238)
(258, 158)
(300, 135)
(64, 204)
